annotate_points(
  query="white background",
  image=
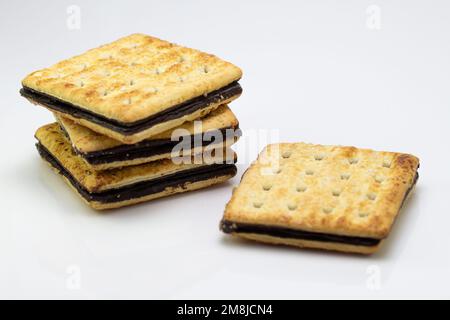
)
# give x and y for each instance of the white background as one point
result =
(317, 71)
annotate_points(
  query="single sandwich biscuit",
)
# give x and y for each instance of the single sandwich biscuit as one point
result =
(325, 197)
(219, 129)
(121, 187)
(135, 87)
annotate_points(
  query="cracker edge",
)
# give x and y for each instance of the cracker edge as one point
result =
(137, 161)
(144, 134)
(188, 186)
(221, 117)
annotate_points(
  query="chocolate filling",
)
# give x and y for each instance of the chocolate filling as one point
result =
(281, 232)
(148, 148)
(129, 128)
(143, 188)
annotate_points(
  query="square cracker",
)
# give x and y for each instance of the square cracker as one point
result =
(52, 139)
(323, 189)
(132, 68)
(134, 78)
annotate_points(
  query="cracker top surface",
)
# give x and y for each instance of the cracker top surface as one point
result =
(86, 140)
(327, 189)
(53, 139)
(134, 77)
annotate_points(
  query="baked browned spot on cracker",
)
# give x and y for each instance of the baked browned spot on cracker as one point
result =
(130, 185)
(135, 87)
(218, 129)
(325, 197)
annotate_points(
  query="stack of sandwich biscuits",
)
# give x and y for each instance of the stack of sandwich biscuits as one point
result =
(132, 118)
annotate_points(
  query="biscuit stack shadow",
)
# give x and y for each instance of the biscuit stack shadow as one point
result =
(137, 119)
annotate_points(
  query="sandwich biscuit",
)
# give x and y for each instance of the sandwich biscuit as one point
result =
(218, 129)
(135, 87)
(324, 197)
(130, 185)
